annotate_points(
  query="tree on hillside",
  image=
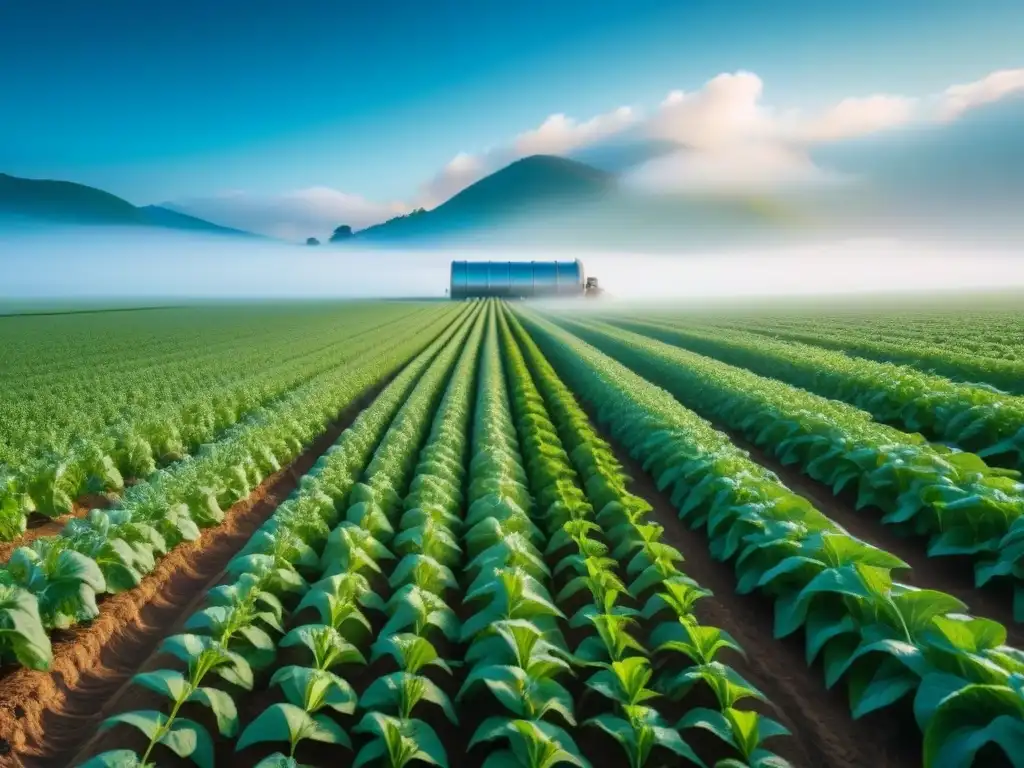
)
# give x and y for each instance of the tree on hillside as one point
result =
(312, 241)
(344, 232)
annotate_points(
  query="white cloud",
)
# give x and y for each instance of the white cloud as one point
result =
(725, 111)
(560, 134)
(733, 142)
(859, 116)
(312, 212)
(957, 99)
(461, 171)
(750, 167)
(733, 139)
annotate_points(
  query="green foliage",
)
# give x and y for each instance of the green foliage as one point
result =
(884, 638)
(964, 506)
(242, 627)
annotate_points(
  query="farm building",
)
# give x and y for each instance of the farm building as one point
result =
(517, 279)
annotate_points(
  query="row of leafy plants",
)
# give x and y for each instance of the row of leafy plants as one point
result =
(960, 365)
(971, 417)
(643, 633)
(162, 426)
(887, 640)
(963, 506)
(688, 656)
(294, 614)
(65, 379)
(994, 334)
(54, 583)
(514, 649)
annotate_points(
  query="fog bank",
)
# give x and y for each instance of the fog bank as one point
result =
(83, 263)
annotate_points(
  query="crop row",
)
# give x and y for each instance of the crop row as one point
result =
(355, 638)
(168, 414)
(960, 365)
(961, 504)
(887, 640)
(312, 564)
(972, 418)
(683, 656)
(987, 334)
(54, 396)
(55, 582)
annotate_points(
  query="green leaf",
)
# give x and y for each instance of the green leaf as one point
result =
(314, 689)
(21, 628)
(531, 737)
(401, 741)
(222, 706)
(277, 760)
(168, 682)
(402, 691)
(120, 758)
(824, 625)
(326, 645)
(411, 652)
(744, 724)
(187, 739)
(889, 682)
(625, 681)
(709, 720)
(967, 720)
(933, 689)
(289, 723)
(918, 607)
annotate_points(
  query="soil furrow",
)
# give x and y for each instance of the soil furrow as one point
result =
(953, 575)
(822, 727)
(46, 717)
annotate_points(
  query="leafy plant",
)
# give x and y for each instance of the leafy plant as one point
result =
(531, 744)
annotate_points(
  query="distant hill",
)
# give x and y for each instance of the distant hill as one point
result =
(533, 184)
(63, 200)
(157, 215)
(553, 201)
(71, 203)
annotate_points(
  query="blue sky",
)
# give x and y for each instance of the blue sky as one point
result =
(166, 100)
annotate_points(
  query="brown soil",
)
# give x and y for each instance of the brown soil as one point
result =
(824, 732)
(953, 575)
(46, 717)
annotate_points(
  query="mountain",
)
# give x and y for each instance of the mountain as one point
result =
(70, 203)
(159, 216)
(545, 200)
(64, 201)
(521, 189)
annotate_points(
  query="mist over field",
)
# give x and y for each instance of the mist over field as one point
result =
(91, 262)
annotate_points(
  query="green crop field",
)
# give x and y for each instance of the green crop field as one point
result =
(495, 535)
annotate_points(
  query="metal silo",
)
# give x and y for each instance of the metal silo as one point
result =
(459, 277)
(521, 282)
(514, 279)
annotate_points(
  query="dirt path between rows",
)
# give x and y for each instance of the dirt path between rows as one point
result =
(823, 731)
(953, 575)
(46, 717)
